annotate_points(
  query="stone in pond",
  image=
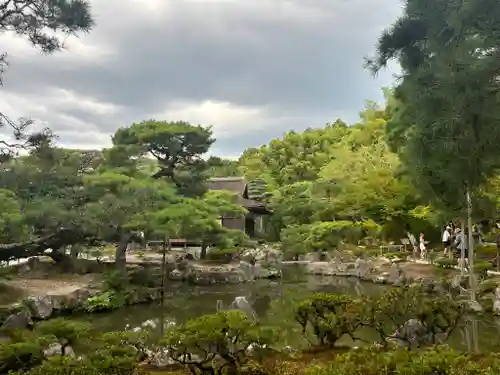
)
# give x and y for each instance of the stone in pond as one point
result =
(241, 303)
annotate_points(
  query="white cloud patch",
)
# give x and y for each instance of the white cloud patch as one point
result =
(224, 117)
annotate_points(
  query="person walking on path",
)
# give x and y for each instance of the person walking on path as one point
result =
(423, 248)
(447, 241)
(462, 245)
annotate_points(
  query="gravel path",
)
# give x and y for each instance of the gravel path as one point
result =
(55, 287)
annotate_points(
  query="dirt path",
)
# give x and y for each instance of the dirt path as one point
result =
(51, 286)
(414, 270)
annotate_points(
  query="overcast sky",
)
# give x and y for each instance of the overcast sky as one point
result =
(253, 69)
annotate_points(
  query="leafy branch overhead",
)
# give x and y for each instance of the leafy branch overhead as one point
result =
(447, 106)
(44, 24)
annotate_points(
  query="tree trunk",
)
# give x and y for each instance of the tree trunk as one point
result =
(121, 251)
(37, 247)
(462, 251)
(472, 279)
(162, 286)
(63, 260)
(75, 251)
(203, 252)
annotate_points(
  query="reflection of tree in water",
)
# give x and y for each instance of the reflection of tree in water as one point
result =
(262, 304)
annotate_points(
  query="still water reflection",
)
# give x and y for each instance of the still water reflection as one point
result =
(273, 303)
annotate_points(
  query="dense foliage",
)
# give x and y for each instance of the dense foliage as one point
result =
(341, 181)
(230, 342)
(73, 196)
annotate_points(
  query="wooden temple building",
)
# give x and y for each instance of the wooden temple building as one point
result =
(252, 224)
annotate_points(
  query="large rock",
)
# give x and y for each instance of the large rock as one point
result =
(41, 307)
(53, 350)
(322, 268)
(396, 275)
(332, 268)
(208, 274)
(18, 320)
(160, 358)
(412, 334)
(362, 269)
(248, 270)
(263, 272)
(264, 255)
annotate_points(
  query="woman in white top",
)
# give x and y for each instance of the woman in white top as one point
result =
(423, 249)
(447, 240)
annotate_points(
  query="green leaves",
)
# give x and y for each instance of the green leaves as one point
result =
(325, 236)
(12, 226)
(330, 317)
(177, 146)
(445, 124)
(227, 335)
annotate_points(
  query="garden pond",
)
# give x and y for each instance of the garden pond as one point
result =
(273, 303)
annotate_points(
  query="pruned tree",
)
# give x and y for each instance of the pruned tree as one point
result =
(177, 146)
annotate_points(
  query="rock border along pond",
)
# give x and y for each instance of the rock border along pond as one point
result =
(395, 272)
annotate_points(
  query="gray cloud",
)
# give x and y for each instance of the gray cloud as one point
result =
(279, 65)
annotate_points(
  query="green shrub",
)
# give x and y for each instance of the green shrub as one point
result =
(115, 281)
(215, 341)
(487, 286)
(487, 251)
(107, 300)
(330, 317)
(106, 361)
(482, 267)
(397, 254)
(432, 361)
(223, 255)
(145, 277)
(66, 332)
(387, 313)
(19, 356)
(446, 263)
(361, 252)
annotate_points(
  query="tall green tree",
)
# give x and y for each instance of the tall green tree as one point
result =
(220, 167)
(177, 146)
(197, 218)
(48, 186)
(12, 225)
(117, 205)
(445, 127)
